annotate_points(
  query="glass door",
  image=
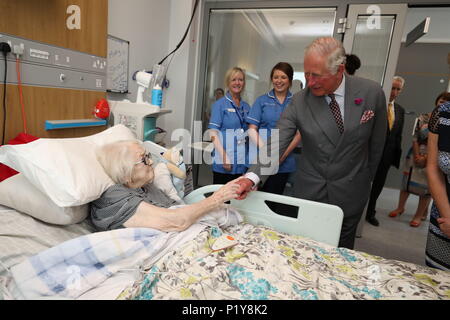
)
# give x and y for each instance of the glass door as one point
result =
(373, 32)
(257, 39)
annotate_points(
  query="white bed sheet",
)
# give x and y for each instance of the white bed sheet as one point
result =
(22, 236)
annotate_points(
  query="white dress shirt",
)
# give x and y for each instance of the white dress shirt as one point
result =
(339, 95)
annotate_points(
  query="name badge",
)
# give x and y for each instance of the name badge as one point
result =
(231, 110)
(241, 136)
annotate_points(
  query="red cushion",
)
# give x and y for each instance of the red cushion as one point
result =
(22, 138)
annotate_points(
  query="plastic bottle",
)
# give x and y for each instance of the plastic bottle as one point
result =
(157, 95)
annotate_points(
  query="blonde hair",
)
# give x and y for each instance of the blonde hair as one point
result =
(117, 160)
(329, 48)
(230, 74)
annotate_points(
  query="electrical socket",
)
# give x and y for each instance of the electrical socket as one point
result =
(5, 48)
(19, 49)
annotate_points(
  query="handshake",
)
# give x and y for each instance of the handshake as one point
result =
(235, 189)
(246, 186)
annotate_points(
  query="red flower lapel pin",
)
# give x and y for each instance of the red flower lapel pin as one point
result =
(358, 101)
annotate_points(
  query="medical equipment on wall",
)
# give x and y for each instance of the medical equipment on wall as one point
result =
(143, 79)
(154, 81)
(138, 117)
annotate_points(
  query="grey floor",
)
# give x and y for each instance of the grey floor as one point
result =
(393, 239)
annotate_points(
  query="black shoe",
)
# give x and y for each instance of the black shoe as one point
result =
(373, 221)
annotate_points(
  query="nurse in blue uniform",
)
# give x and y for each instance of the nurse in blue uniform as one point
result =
(263, 117)
(229, 130)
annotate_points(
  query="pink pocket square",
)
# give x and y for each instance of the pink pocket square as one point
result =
(367, 115)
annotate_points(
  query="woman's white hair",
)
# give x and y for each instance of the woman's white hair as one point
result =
(330, 48)
(117, 160)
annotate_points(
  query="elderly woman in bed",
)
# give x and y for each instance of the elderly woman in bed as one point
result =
(135, 202)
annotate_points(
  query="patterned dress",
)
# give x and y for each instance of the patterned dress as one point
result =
(420, 136)
(437, 252)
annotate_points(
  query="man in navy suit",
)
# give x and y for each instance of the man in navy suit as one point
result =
(392, 148)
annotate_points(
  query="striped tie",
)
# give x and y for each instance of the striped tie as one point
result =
(336, 113)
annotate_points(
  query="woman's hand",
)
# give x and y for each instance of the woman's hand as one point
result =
(226, 164)
(444, 225)
(227, 192)
(420, 160)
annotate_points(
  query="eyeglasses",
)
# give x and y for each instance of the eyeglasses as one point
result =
(316, 76)
(146, 159)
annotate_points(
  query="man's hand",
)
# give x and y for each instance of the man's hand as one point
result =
(444, 225)
(245, 186)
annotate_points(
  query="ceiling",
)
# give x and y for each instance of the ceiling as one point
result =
(287, 25)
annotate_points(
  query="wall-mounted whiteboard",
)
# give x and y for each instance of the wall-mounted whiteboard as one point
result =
(117, 75)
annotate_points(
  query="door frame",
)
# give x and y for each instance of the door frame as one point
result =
(400, 11)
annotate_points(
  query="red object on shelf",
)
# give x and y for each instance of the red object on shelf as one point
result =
(101, 110)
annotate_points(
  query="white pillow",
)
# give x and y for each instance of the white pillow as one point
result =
(18, 193)
(66, 170)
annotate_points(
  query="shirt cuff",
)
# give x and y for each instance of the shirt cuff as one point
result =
(252, 176)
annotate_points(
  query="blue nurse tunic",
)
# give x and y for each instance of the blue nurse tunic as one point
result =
(231, 121)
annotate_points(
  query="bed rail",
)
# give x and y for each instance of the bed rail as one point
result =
(318, 221)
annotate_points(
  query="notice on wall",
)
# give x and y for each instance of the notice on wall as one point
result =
(117, 75)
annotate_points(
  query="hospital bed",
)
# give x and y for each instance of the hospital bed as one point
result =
(256, 211)
(277, 257)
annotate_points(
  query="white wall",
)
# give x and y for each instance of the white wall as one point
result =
(154, 28)
(145, 23)
(178, 97)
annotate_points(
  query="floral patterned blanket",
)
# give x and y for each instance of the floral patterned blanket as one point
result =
(270, 265)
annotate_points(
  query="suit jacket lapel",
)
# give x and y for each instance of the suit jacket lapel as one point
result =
(397, 116)
(353, 112)
(321, 113)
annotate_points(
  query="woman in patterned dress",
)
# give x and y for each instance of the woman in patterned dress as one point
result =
(417, 160)
(437, 252)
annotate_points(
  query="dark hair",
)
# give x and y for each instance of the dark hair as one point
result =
(219, 89)
(352, 63)
(443, 95)
(286, 68)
